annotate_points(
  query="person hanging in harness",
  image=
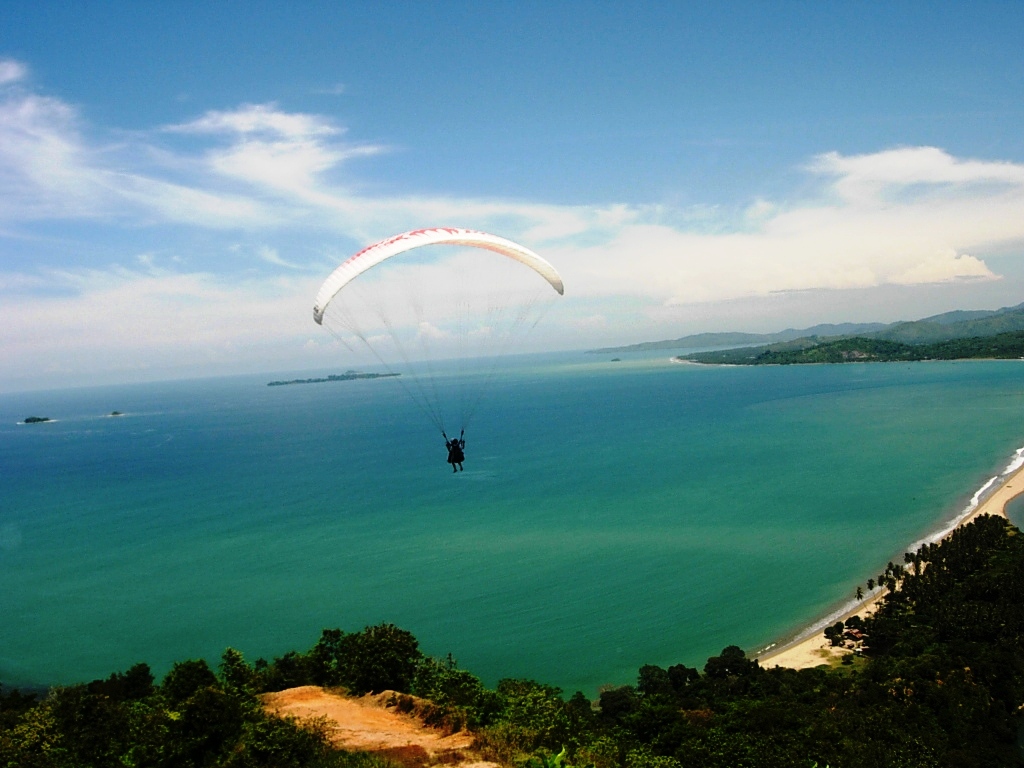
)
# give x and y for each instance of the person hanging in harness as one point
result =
(455, 448)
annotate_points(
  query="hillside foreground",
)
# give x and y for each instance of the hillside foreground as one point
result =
(373, 723)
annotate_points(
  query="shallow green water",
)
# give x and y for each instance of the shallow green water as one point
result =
(610, 515)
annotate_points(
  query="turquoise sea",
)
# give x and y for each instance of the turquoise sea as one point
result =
(611, 514)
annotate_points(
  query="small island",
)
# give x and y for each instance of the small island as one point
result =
(37, 419)
(346, 376)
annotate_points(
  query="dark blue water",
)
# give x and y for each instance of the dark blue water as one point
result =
(610, 514)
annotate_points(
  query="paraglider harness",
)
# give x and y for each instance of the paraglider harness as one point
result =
(455, 453)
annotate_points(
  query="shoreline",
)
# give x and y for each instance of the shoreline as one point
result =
(809, 648)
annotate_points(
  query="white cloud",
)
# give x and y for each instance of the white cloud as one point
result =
(590, 323)
(911, 172)
(286, 165)
(48, 170)
(271, 256)
(117, 319)
(44, 169)
(897, 217)
(271, 147)
(156, 200)
(759, 210)
(431, 332)
(260, 119)
(12, 71)
(914, 165)
(943, 267)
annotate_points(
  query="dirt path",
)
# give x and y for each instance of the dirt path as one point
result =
(369, 724)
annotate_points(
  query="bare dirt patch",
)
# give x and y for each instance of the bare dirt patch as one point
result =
(372, 723)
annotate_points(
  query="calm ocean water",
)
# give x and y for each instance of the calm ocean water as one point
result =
(610, 514)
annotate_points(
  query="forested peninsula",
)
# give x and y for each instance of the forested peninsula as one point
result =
(940, 684)
(960, 324)
(859, 350)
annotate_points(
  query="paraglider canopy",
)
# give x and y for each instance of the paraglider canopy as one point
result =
(426, 312)
(373, 255)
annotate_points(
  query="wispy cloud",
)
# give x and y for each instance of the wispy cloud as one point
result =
(922, 170)
(49, 170)
(271, 256)
(274, 149)
(119, 318)
(258, 119)
(332, 90)
(44, 166)
(12, 71)
(900, 216)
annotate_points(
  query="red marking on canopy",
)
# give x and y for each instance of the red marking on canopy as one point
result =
(413, 233)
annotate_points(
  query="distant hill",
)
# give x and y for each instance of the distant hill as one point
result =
(960, 315)
(959, 324)
(748, 339)
(955, 325)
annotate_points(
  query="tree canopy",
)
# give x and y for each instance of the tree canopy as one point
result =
(940, 685)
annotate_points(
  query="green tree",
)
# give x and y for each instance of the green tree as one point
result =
(133, 685)
(444, 683)
(274, 742)
(185, 678)
(327, 659)
(732, 662)
(34, 741)
(380, 658)
(533, 715)
(94, 729)
(288, 671)
(206, 727)
(834, 633)
(616, 705)
(236, 676)
(653, 681)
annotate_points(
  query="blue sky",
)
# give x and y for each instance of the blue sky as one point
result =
(176, 179)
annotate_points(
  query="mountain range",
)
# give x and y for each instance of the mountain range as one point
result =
(959, 324)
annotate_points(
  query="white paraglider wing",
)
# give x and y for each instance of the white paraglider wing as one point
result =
(393, 246)
(441, 318)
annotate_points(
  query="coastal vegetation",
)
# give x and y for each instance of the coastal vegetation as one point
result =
(860, 350)
(939, 683)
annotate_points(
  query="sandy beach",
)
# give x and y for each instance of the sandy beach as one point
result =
(814, 650)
